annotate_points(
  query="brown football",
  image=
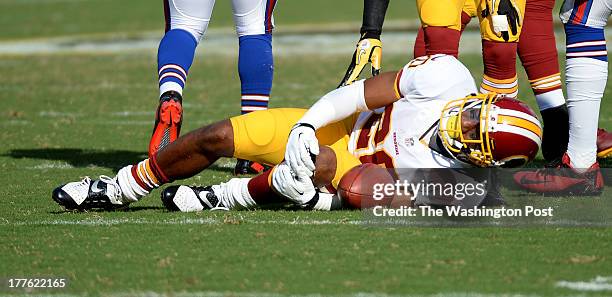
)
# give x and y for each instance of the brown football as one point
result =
(356, 187)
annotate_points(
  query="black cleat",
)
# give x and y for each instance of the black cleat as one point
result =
(103, 193)
(191, 198)
(244, 167)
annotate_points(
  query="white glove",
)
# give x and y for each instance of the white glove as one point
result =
(302, 148)
(297, 187)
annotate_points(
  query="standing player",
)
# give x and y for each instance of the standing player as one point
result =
(429, 120)
(586, 76)
(186, 24)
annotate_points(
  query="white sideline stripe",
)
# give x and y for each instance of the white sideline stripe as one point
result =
(263, 294)
(599, 283)
(55, 114)
(16, 123)
(296, 221)
(51, 166)
(125, 123)
(184, 221)
(127, 113)
(224, 44)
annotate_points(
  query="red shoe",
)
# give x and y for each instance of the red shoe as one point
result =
(168, 120)
(604, 143)
(562, 180)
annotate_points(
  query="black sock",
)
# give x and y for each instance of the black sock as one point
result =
(556, 132)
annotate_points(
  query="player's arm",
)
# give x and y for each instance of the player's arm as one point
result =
(303, 146)
(369, 47)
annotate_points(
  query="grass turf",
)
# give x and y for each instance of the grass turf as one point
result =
(46, 18)
(77, 115)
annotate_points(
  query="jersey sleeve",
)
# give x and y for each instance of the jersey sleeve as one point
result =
(434, 77)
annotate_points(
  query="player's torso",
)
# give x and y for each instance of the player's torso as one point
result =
(399, 136)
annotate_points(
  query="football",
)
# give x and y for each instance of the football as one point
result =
(358, 187)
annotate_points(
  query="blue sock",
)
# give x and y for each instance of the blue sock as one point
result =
(174, 58)
(585, 42)
(256, 69)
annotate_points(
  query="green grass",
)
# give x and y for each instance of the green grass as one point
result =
(68, 116)
(64, 119)
(44, 18)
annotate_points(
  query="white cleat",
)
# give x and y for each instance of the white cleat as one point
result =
(191, 198)
(103, 193)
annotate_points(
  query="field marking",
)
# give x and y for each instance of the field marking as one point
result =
(128, 113)
(236, 218)
(122, 123)
(179, 221)
(223, 43)
(50, 166)
(263, 294)
(58, 114)
(599, 283)
(17, 123)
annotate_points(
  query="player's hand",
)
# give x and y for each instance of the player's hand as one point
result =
(297, 187)
(369, 50)
(506, 18)
(302, 148)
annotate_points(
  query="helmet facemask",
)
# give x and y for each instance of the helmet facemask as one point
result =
(475, 150)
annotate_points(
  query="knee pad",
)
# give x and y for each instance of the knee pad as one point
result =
(441, 13)
(253, 18)
(192, 16)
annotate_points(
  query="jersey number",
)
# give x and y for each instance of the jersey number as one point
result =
(372, 135)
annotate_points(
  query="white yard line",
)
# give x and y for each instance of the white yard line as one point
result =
(127, 113)
(50, 166)
(223, 43)
(237, 218)
(600, 283)
(179, 221)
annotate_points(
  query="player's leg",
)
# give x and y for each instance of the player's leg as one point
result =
(250, 136)
(419, 42)
(499, 55)
(586, 76)
(186, 23)
(254, 25)
(183, 158)
(269, 147)
(538, 53)
(260, 136)
(441, 22)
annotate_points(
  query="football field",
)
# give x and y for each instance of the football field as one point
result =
(71, 111)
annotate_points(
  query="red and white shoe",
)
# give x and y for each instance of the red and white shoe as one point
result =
(168, 120)
(562, 180)
(604, 143)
